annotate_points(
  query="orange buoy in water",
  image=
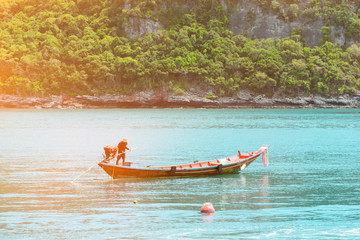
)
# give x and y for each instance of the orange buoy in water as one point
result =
(135, 202)
(207, 208)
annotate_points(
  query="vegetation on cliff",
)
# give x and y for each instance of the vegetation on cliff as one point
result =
(80, 47)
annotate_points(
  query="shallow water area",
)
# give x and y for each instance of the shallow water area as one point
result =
(310, 190)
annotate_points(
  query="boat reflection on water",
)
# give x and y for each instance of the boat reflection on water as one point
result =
(265, 180)
(264, 193)
(245, 192)
(226, 193)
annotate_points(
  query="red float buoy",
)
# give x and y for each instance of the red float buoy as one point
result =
(207, 208)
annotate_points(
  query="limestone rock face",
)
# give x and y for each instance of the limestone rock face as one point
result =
(254, 22)
(268, 25)
(138, 27)
(248, 19)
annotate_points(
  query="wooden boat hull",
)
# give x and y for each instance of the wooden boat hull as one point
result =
(217, 167)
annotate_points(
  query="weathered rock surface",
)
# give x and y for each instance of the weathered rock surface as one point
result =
(138, 27)
(265, 24)
(251, 20)
(191, 99)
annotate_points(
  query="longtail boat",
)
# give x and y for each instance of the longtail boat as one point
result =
(223, 166)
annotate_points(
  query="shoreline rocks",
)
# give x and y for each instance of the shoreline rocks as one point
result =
(191, 99)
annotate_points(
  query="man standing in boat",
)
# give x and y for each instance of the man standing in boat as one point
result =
(122, 147)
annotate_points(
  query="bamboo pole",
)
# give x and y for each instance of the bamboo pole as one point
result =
(97, 164)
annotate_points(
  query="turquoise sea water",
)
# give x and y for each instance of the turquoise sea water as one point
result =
(310, 190)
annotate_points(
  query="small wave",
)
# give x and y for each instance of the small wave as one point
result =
(271, 234)
(281, 232)
(351, 232)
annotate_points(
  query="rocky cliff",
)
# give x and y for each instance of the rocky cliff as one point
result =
(255, 22)
(268, 25)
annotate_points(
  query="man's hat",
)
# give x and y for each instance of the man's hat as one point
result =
(124, 139)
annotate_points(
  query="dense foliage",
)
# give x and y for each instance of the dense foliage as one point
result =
(80, 47)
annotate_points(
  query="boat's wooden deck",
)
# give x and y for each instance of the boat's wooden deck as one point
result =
(208, 163)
